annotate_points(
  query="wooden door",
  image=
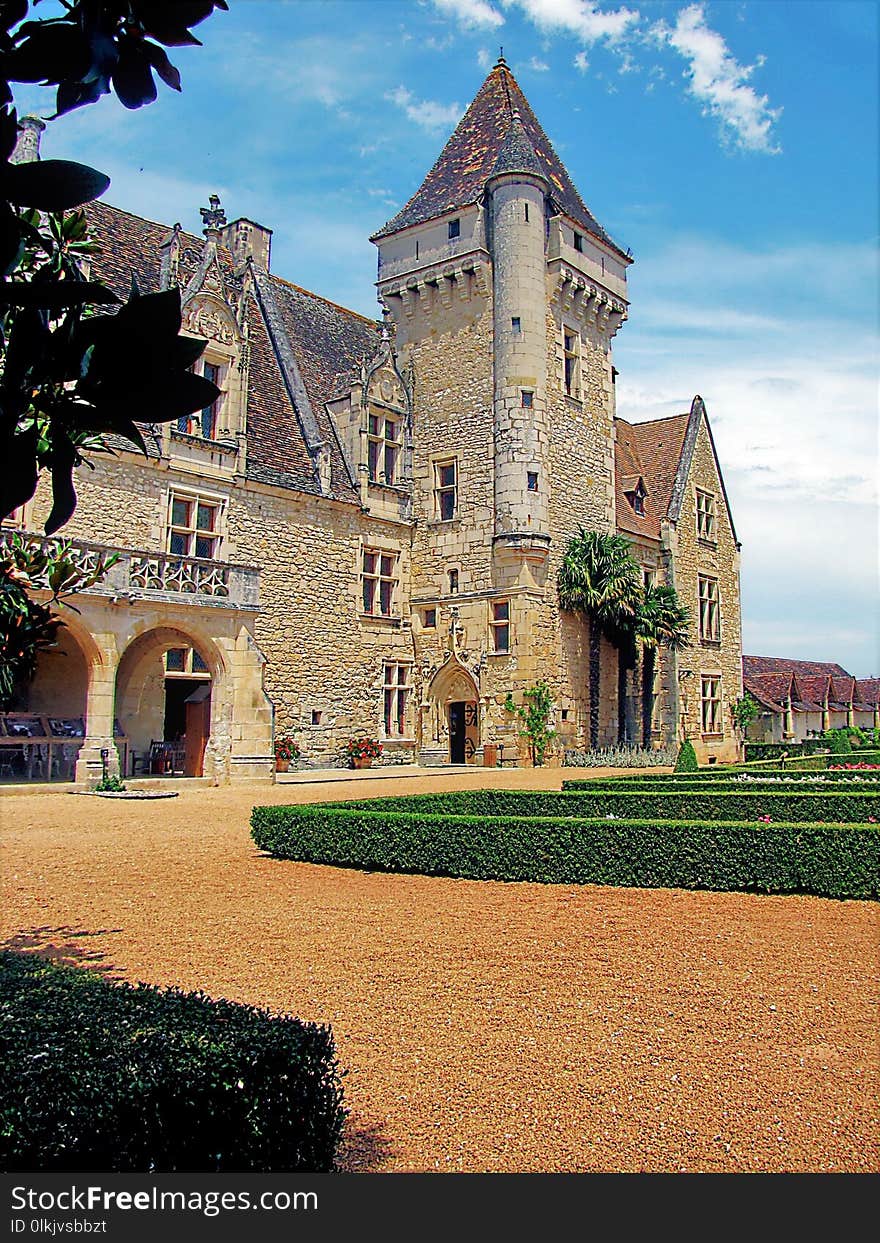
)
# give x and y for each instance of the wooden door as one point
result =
(198, 728)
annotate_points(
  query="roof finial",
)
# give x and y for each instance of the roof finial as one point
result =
(501, 60)
(213, 216)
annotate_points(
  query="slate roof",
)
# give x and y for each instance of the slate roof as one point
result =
(326, 342)
(482, 140)
(653, 451)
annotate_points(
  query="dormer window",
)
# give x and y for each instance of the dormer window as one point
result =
(383, 449)
(205, 422)
(454, 229)
(635, 492)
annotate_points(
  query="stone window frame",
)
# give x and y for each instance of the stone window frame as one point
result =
(453, 229)
(711, 694)
(431, 612)
(577, 241)
(380, 581)
(442, 491)
(706, 515)
(527, 398)
(196, 497)
(384, 448)
(500, 627)
(709, 608)
(396, 697)
(571, 362)
(194, 424)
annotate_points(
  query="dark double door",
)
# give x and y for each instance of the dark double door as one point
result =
(461, 747)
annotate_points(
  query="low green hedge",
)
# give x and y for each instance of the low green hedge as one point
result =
(761, 768)
(646, 804)
(773, 750)
(839, 862)
(112, 1077)
(819, 789)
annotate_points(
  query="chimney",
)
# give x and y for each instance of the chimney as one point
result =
(27, 147)
(246, 239)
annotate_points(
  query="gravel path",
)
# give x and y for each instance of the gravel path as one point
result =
(484, 1026)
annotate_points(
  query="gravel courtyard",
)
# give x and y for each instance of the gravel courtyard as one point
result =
(483, 1026)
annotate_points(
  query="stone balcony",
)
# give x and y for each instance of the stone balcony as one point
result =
(161, 576)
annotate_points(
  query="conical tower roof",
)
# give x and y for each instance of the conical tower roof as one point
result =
(499, 129)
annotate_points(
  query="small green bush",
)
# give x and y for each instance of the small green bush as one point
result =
(687, 758)
(103, 1076)
(838, 741)
(835, 862)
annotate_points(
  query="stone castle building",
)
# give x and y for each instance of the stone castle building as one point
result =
(362, 536)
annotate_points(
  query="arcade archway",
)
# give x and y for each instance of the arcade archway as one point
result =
(166, 692)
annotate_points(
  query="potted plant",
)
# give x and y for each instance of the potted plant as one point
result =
(286, 749)
(362, 751)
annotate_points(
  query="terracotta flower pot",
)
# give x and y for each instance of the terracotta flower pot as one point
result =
(281, 766)
(361, 761)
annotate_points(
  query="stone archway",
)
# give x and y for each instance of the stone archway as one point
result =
(43, 730)
(451, 716)
(144, 704)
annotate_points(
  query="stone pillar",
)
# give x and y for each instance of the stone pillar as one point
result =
(787, 720)
(100, 703)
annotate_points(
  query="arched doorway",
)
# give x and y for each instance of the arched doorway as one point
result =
(44, 725)
(453, 707)
(165, 692)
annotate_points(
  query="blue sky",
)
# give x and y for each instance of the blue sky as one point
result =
(733, 146)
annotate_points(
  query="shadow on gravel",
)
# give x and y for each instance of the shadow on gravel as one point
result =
(364, 1148)
(64, 944)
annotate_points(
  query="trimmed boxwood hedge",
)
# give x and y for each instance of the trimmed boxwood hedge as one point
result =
(765, 768)
(592, 803)
(835, 862)
(103, 1076)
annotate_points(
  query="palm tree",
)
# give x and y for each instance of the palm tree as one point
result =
(662, 621)
(598, 577)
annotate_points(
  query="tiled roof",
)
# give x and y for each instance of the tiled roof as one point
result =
(652, 450)
(812, 686)
(327, 343)
(842, 691)
(783, 664)
(469, 159)
(770, 689)
(868, 690)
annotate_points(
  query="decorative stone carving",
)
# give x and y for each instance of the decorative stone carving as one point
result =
(205, 316)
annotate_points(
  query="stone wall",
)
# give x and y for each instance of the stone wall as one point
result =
(719, 559)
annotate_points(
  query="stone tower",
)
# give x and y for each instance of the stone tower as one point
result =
(505, 293)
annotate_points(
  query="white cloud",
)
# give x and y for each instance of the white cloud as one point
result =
(584, 20)
(471, 13)
(720, 82)
(786, 362)
(484, 60)
(538, 66)
(581, 62)
(425, 112)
